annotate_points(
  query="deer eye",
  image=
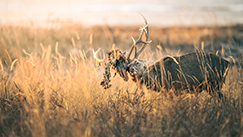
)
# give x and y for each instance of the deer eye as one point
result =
(136, 63)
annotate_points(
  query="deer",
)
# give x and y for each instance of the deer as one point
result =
(195, 71)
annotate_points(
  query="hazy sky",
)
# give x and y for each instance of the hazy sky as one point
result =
(117, 12)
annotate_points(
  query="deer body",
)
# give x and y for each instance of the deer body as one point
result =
(195, 71)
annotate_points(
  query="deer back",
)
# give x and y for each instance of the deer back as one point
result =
(186, 71)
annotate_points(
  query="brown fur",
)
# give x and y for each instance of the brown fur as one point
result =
(193, 71)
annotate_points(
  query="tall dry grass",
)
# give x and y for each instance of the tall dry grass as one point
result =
(49, 85)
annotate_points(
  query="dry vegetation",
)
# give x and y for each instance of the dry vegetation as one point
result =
(49, 85)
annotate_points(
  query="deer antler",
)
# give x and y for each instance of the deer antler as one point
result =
(97, 59)
(139, 40)
(106, 75)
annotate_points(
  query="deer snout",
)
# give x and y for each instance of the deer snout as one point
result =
(132, 71)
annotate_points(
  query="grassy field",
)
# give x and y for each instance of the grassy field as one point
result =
(50, 84)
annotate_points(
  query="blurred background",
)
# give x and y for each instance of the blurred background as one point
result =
(161, 13)
(50, 81)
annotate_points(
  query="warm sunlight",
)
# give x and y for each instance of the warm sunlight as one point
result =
(121, 68)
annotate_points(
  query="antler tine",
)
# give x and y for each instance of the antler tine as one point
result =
(134, 46)
(139, 40)
(146, 30)
(144, 19)
(136, 42)
(95, 56)
(130, 51)
(114, 51)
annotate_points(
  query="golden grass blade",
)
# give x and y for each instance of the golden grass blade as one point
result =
(48, 55)
(42, 47)
(232, 58)
(56, 47)
(77, 35)
(43, 50)
(1, 65)
(11, 68)
(81, 54)
(73, 42)
(52, 77)
(28, 55)
(8, 55)
(202, 45)
(222, 51)
(68, 73)
(31, 63)
(85, 57)
(217, 52)
(174, 59)
(71, 56)
(59, 66)
(159, 47)
(178, 52)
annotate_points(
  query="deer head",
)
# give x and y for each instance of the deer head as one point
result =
(122, 62)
